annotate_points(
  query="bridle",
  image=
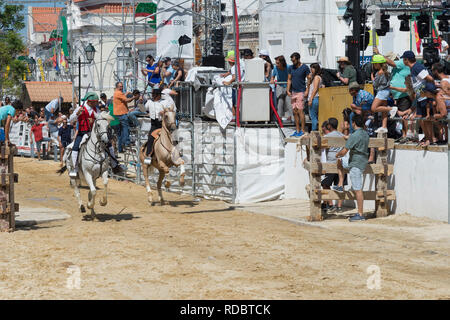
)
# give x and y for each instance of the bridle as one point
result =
(99, 145)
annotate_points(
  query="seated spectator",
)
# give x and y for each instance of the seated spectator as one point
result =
(405, 109)
(362, 102)
(179, 75)
(442, 97)
(138, 100)
(348, 74)
(64, 137)
(345, 127)
(332, 178)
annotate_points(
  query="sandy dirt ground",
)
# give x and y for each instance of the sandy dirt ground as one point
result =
(209, 250)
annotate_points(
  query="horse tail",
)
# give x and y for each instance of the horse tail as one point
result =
(62, 170)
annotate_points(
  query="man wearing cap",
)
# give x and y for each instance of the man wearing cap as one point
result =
(296, 88)
(86, 115)
(232, 62)
(348, 71)
(155, 107)
(120, 107)
(398, 75)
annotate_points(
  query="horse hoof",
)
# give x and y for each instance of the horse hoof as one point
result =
(82, 209)
(103, 203)
(181, 182)
(168, 184)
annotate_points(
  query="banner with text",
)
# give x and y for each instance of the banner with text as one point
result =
(174, 22)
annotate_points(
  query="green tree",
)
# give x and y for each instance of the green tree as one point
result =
(11, 46)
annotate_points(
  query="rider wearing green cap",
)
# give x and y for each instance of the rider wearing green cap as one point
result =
(381, 84)
(86, 115)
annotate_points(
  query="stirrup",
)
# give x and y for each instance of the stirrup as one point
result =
(148, 161)
(73, 173)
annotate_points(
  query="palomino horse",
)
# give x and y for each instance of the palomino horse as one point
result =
(93, 162)
(165, 155)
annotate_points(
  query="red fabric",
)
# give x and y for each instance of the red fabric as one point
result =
(83, 120)
(37, 131)
(238, 67)
(274, 110)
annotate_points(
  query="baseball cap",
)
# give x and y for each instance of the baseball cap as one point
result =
(408, 55)
(90, 96)
(230, 56)
(354, 86)
(378, 58)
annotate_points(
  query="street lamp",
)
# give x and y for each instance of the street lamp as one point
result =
(89, 51)
(312, 47)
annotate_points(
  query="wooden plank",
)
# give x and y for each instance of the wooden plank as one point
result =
(381, 182)
(338, 142)
(351, 195)
(315, 180)
(332, 168)
(6, 178)
(443, 148)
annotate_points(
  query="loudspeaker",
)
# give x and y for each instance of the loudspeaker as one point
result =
(217, 61)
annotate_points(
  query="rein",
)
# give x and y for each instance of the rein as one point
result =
(98, 145)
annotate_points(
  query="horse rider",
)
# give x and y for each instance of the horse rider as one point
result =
(86, 115)
(155, 108)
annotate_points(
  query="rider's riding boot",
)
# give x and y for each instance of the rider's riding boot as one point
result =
(74, 172)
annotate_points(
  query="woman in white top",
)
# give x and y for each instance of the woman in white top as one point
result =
(312, 92)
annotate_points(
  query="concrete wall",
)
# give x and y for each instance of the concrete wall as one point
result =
(419, 181)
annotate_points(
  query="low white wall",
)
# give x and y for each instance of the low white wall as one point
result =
(419, 180)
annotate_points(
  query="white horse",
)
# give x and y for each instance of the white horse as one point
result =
(93, 163)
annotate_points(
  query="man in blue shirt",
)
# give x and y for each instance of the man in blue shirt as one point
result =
(167, 70)
(362, 102)
(6, 113)
(296, 88)
(152, 71)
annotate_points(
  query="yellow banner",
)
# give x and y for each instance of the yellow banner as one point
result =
(41, 68)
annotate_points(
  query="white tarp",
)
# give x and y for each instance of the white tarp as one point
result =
(19, 135)
(259, 165)
(172, 24)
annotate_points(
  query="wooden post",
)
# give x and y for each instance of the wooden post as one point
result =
(7, 180)
(314, 178)
(381, 206)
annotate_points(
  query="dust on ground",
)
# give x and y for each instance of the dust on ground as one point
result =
(210, 250)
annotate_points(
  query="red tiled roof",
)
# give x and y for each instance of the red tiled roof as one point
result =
(107, 8)
(147, 41)
(45, 19)
(42, 91)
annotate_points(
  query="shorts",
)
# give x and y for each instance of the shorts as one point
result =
(65, 143)
(421, 109)
(356, 178)
(383, 94)
(54, 137)
(332, 178)
(38, 145)
(403, 104)
(297, 100)
(233, 96)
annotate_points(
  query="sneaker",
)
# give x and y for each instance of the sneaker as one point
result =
(393, 112)
(299, 134)
(147, 161)
(338, 189)
(339, 210)
(356, 217)
(332, 209)
(294, 134)
(381, 130)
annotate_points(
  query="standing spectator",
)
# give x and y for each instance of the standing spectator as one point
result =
(139, 100)
(248, 54)
(333, 178)
(103, 102)
(268, 66)
(231, 61)
(167, 71)
(296, 88)
(152, 71)
(348, 74)
(312, 92)
(357, 144)
(280, 74)
(36, 136)
(381, 84)
(7, 113)
(179, 74)
(52, 107)
(64, 137)
(120, 102)
(53, 132)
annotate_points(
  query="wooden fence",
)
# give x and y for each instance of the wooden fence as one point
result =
(8, 207)
(381, 169)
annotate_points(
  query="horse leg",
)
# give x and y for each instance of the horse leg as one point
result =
(180, 163)
(160, 180)
(146, 171)
(104, 199)
(91, 194)
(74, 184)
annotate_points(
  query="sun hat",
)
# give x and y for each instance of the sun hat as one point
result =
(90, 96)
(344, 59)
(354, 86)
(378, 58)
